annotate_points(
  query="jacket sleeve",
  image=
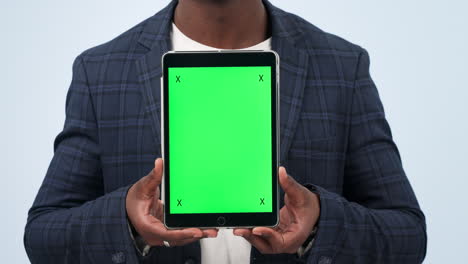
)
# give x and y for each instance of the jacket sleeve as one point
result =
(72, 220)
(378, 219)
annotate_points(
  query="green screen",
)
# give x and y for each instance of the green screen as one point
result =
(220, 139)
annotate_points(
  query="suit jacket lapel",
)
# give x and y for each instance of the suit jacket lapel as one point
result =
(156, 37)
(293, 71)
(149, 70)
(293, 74)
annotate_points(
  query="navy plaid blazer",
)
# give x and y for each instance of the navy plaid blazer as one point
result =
(334, 136)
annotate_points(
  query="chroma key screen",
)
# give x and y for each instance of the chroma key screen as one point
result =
(220, 139)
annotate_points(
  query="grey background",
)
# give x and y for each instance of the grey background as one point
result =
(419, 62)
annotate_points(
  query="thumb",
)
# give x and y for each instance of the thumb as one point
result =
(150, 182)
(291, 188)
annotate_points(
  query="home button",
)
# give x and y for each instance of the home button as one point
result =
(221, 221)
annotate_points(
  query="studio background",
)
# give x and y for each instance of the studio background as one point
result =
(419, 61)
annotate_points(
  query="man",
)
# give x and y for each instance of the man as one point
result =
(346, 198)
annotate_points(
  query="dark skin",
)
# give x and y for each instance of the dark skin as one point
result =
(224, 24)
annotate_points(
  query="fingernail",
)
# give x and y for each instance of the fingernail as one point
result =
(257, 233)
(197, 236)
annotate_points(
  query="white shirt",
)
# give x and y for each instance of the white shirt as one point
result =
(226, 248)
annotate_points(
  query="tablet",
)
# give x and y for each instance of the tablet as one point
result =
(220, 138)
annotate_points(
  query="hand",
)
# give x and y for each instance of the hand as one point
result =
(298, 217)
(145, 212)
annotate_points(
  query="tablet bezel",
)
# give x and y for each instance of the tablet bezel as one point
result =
(221, 59)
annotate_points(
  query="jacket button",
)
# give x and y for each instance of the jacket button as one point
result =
(325, 260)
(118, 258)
(189, 261)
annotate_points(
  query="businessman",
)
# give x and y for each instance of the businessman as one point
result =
(345, 197)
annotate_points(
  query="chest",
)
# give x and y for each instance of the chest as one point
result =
(313, 122)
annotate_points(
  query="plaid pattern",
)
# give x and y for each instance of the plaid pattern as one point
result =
(333, 135)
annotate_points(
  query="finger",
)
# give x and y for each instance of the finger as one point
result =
(160, 242)
(158, 209)
(272, 237)
(293, 240)
(156, 230)
(287, 242)
(149, 183)
(210, 232)
(158, 193)
(244, 232)
(259, 243)
(183, 234)
(181, 242)
(155, 207)
(291, 188)
(256, 240)
(285, 219)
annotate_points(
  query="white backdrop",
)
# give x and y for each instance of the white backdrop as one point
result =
(419, 61)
